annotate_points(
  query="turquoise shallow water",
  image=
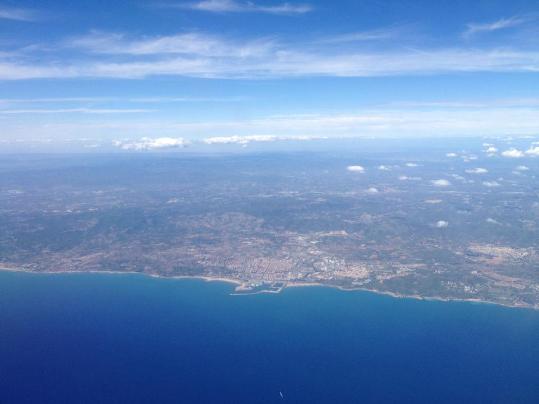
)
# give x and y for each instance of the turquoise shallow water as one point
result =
(129, 338)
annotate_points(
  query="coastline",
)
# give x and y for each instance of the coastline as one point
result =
(414, 297)
(240, 285)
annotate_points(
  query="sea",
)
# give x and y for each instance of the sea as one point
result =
(105, 338)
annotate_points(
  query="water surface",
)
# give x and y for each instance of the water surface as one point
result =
(129, 338)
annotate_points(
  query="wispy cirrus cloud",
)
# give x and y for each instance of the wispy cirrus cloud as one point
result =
(18, 14)
(11, 102)
(233, 6)
(71, 110)
(196, 55)
(191, 44)
(471, 104)
(365, 36)
(503, 23)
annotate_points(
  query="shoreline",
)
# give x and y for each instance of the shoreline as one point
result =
(239, 284)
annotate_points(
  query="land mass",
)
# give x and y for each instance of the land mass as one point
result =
(267, 222)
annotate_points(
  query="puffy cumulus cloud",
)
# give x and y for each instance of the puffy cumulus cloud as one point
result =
(451, 154)
(441, 224)
(521, 168)
(244, 140)
(491, 150)
(492, 221)
(407, 178)
(458, 177)
(146, 143)
(513, 153)
(533, 151)
(469, 157)
(491, 184)
(411, 165)
(384, 168)
(356, 169)
(440, 183)
(372, 190)
(477, 170)
(239, 139)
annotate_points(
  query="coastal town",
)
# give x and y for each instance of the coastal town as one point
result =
(311, 222)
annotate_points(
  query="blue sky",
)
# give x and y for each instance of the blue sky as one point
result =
(125, 74)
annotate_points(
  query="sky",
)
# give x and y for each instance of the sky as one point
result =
(146, 75)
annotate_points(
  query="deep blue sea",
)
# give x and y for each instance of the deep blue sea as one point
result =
(86, 338)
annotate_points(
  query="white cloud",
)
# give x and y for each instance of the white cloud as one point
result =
(375, 123)
(491, 149)
(372, 190)
(72, 110)
(503, 23)
(533, 151)
(478, 170)
(356, 169)
(407, 178)
(451, 155)
(147, 143)
(492, 221)
(504, 102)
(440, 183)
(491, 184)
(239, 139)
(232, 6)
(441, 224)
(134, 100)
(384, 168)
(195, 54)
(17, 14)
(411, 165)
(433, 201)
(191, 43)
(364, 36)
(522, 168)
(513, 153)
(243, 140)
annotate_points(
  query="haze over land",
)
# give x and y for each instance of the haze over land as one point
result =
(450, 221)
